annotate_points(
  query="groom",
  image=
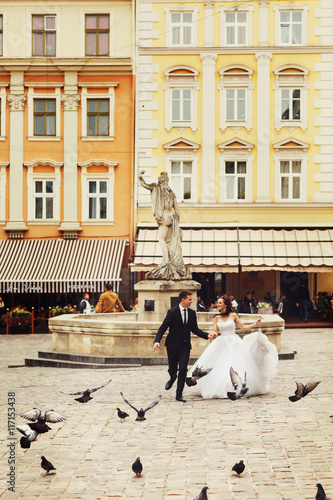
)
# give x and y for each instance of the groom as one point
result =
(181, 321)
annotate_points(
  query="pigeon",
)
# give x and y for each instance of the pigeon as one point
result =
(137, 467)
(321, 495)
(197, 373)
(122, 415)
(239, 385)
(202, 495)
(141, 412)
(29, 435)
(40, 429)
(35, 415)
(85, 395)
(303, 390)
(239, 468)
(46, 465)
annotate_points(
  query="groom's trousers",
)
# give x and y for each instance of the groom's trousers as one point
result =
(178, 357)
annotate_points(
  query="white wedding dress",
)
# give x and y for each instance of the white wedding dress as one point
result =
(254, 354)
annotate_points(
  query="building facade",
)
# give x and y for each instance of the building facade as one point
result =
(235, 102)
(66, 147)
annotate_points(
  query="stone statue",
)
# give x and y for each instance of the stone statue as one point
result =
(166, 213)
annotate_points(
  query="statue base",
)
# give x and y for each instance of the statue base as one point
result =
(155, 297)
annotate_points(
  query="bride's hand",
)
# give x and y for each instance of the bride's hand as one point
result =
(212, 336)
(258, 322)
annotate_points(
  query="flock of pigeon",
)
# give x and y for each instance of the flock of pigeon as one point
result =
(39, 421)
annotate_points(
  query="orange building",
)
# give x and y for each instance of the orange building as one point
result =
(66, 150)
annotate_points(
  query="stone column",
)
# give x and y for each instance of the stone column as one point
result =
(70, 225)
(208, 128)
(209, 23)
(16, 99)
(263, 22)
(263, 127)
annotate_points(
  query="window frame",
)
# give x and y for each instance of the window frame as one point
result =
(290, 8)
(87, 176)
(235, 176)
(38, 12)
(85, 96)
(92, 11)
(97, 30)
(290, 176)
(223, 25)
(43, 196)
(170, 10)
(43, 32)
(182, 199)
(181, 81)
(3, 181)
(45, 115)
(32, 95)
(229, 79)
(3, 107)
(2, 14)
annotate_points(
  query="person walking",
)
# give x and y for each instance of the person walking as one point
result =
(181, 321)
(303, 302)
(108, 301)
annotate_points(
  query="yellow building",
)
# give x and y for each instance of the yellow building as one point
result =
(235, 102)
(66, 149)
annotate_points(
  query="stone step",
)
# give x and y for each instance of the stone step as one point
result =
(58, 363)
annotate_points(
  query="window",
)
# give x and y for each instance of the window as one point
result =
(291, 90)
(181, 27)
(235, 176)
(98, 199)
(236, 97)
(43, 35)
(291, 27)
(44, 117)
(181, 179)
(43, 199)
(97, 34)
(98, 116)
(181, 98)
(1, 35)
(3, 190)
(236, 28)
(290, 172)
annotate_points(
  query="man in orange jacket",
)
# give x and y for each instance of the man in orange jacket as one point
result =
(108, 301)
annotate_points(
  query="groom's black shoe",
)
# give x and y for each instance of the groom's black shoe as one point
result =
(169, 384)
(181, 399)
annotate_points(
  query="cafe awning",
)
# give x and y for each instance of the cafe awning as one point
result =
(52, 266)
(217, 249)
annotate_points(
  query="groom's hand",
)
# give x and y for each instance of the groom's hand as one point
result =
(212, 336)
(155, 346)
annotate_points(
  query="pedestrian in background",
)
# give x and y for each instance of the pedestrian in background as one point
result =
(84, 305)
(303, 302)
(108, 301)
(2, 304)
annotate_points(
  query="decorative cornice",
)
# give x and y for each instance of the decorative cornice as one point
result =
(263, 3)
(263, 57)
(16, 101)
(97, 162)
(71, 101)
(43, 161)
(208, 58)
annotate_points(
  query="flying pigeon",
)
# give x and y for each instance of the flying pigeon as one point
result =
(40, 429)
(122, 415)
(46, 465)
(321, 495)
(141, 412)
(28, 435)
(202, 495)
(239, 385)
(303, 390)
(85, 395)
(35, 415)
(197, 373)
(137, 467)
(239, 468)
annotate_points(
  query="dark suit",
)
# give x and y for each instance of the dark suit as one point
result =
(178, 342)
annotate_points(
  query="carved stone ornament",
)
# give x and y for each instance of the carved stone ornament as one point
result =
(16, 101)
(71, 101)
(263, 3)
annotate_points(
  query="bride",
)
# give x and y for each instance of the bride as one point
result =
(255, 355)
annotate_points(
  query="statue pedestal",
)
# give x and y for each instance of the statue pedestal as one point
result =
(163, 294)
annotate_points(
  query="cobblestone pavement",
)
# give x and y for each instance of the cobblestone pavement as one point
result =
(287, 447)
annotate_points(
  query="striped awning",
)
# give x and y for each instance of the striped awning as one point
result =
(51, 266)
(223, 249)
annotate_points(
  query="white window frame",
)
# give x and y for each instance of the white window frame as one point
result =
(46, 12)
(36, 176)
(236, 80)
(298, 152)
(291, 7)
(3, 97)
(230, 152)
(188, 151)
(291, 80)
(87, 176)
(186, 80)
(47, 95)
(97, 10)
(3, 167)
(223, 25)
(4, 33)
(109, 95)
(182, 177)
(194, 10)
